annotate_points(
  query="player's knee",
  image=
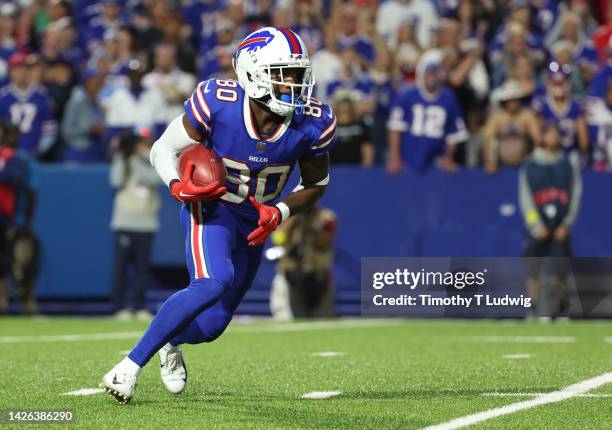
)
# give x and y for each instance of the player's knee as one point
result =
(207, 289)
(214, 326)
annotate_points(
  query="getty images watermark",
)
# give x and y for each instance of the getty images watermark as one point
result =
(460, 287)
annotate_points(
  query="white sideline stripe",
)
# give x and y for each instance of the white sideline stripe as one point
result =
(496, 394)
(73, 337)
(316, 325)
(328, 354)
(527, 339)
(608, 340)
(543, 399)
(84, 392)
(272, 328)
(516, 356)
(318, 395)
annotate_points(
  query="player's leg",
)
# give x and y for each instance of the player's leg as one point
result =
(211, 323)
(209, 235)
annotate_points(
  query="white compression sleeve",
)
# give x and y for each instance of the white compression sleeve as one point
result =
(166, 150)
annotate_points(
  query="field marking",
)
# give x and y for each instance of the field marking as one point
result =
(317, 325)
(73, 337)
(497, 394)
(84, 392)
(543, 399)
(516, 356)
(318, 395)
(328, 354)
(271, 328)
(125, 352)
(525, 339)
(608, 340)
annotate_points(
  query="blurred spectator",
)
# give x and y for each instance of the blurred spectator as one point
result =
(83, 124)
(599, 84)
(383, 91)
(109, 19)
(309, 24)
(511, 129)
(515, 45)
(601, 36)
(175, 35)
(350, 36)
(326, 63)
(353, 136)
(214, 59)
(560, 106)
(303, 287)
(550, 189)
(407, 49)
(599, 118)
(563, 54)
(27, 104)
(426, 123)
(351, 78)
(583, 51)
(134, 105)
(522, 72)
(19, 250)
(393, 12)
(172, 83)
(8, 47)
(135, 219)
(517, 34)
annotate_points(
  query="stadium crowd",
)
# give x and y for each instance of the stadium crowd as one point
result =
(76, 75)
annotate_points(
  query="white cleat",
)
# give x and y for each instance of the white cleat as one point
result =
(173, 370)
(119, 384)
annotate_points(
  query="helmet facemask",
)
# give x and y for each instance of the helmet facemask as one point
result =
(286, 94)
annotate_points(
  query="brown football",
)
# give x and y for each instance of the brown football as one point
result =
(208, 165)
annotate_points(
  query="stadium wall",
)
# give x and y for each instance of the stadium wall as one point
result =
(432, 214)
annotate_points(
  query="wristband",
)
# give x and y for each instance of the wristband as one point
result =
(284, 210)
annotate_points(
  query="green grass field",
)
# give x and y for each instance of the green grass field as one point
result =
(392, 374)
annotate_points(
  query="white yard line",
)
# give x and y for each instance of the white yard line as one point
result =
(84, 392)
(72, 337)
(516, 356)
(544, 399)
(328, 354)
(318, 395)
(316, 325)
(496, 394)
(608, 339)
(264, 328)
(525, 339)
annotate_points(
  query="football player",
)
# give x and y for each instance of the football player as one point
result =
(261, 126)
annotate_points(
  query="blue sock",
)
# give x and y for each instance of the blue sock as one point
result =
(175, 315)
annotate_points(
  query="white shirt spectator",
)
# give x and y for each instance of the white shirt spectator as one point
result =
(124, 109)
(175, 87)
(393, 12)
(326, 67)
(599, 116)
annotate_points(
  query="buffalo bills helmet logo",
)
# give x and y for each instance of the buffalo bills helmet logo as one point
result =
(256, 41)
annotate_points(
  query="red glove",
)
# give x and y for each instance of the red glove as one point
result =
(185, 190)
(269, 218)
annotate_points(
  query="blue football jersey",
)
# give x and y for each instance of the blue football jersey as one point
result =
(31, 110)
(256, 165)
(427, 124)
(566, 119)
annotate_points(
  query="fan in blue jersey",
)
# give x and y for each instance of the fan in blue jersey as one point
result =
(426, 122)
(558, 105)
(261, 126)
(27, 105)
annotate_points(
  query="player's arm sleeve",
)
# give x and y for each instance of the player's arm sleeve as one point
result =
(575, 193)
(326, 139)
(166, 150)
(197, 108)
(456, 132)
(530, 213)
